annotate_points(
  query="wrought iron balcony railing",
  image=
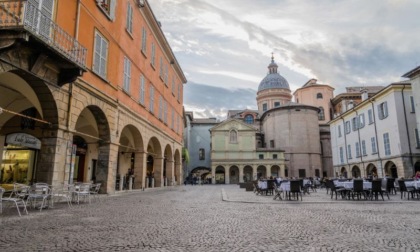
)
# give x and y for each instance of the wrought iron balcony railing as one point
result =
(22, 14)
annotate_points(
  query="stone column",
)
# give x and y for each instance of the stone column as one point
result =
(282, 170)
(254, 172)
(169, 172)
(227, 176)
(51, 165)
(241, 173)
(158, 171)
(140, 170)
(213, 175)
(106, 170)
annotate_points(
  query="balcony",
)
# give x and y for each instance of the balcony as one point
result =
(21, 20)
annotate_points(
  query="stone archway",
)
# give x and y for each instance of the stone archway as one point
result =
(261, 172)
(355, 172)
(155, 162)
(178, 168)
(275, 171)
(131, 158)
(92, 125)
(343, 172)
(219, 175)
(391, 169)
(248, 173)
(234, 175)
(371, 169)
(168, 166)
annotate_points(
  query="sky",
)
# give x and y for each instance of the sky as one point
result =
(225, 46)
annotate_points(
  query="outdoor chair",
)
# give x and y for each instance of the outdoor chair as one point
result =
(358, 189)
(39, 192)
(82, 191)
(405, 190)
(94, 190)
(390, 186)
(377, 189)
(18, 202)
(335, 190)
(295, 189)
(20, 191)
(64, 192)
(278, 192)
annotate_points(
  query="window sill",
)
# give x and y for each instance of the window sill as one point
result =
(129, 33)
(144, 54)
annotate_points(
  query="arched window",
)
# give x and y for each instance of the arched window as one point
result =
(233, 136)
(319, 96)
(321, 114)
(249, 119)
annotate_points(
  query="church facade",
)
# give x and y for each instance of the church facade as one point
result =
(280, 139)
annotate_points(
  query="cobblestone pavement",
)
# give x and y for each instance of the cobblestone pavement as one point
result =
(215, 218)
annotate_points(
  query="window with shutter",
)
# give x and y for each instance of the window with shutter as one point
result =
(100, 55)
(152, 98)
(144, 44)
(127, 74)
(142, 90)
(129, 20)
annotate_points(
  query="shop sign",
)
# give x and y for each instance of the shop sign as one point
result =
(23, 139)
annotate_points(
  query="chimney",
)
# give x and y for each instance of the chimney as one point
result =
(364, 94)
(350, 105)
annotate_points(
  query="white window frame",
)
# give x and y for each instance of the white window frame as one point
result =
(160, 113)
(364, 148)
(373, 145)
(127, 75)
(370, 116)
(341, 155)
(349, 151)
(129, 19)
(412, 105)
(357, 149)
(144, 43)
(153, 55)
(347, 127)
(100, 55)
(354, 123)
(142, 90)
(383, 110)
(339, 131)
(361, 121)
(387, 144)
(152, 98)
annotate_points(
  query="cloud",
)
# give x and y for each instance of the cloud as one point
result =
(209, 101)
(228, 44)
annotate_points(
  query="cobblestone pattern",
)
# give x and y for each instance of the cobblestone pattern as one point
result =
(214, 218)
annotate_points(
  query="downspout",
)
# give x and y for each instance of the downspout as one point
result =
(76, 28)
(345, 141)
(406, 128)
(358, 136)
(376, 135)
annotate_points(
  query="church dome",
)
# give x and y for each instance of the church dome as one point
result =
(273, 79)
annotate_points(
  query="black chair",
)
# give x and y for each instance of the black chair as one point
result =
(390, 185)
(270, 187)
(330, 184)
(406, 190)
(358, 190)
(377, 189)
(295, 189)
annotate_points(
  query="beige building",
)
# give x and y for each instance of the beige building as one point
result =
(235, 158)
(281, 138)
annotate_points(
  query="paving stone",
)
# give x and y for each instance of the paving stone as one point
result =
(215, 218)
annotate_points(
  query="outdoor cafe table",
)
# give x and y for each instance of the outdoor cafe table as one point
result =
(349, 185)
(415, 184)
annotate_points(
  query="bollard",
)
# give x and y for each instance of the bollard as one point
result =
(147, 182)
(130, 183)
(122, 182)
(153, 182)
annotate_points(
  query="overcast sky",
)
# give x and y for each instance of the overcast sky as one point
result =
(225, 46)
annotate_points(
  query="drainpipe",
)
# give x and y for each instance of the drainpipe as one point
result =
(358, 136)
(406, 128)
(345, 141)
(76, 28)
(376, 135)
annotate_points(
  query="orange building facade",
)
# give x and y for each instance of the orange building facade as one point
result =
(90, 90)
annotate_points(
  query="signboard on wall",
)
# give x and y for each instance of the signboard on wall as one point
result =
(23, 139)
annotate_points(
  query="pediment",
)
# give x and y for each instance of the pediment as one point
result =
(233, 124)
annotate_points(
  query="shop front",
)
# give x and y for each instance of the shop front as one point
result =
(18, 163)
